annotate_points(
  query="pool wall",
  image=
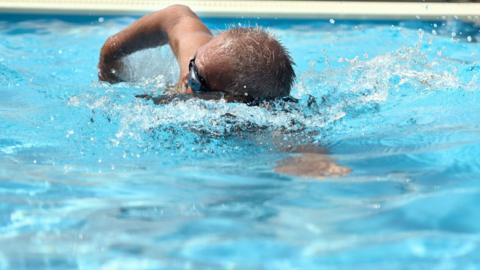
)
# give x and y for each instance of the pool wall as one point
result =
(271, 9)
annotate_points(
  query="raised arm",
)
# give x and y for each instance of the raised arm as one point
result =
(177, 25)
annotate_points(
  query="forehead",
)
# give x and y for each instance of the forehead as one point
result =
(211, 47)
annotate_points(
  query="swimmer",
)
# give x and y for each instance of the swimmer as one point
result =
(238, 65)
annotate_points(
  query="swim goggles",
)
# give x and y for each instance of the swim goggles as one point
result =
(196, 82)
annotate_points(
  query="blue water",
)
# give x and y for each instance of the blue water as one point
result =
(93, 178)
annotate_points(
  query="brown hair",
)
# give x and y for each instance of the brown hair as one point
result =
(261, 66)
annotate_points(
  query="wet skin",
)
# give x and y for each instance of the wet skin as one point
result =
(188, 37)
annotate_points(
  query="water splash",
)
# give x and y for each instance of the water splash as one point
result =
(351, 88)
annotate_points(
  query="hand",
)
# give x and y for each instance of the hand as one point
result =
(110, 64)
(110, 71)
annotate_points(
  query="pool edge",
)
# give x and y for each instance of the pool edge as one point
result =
(265, 9)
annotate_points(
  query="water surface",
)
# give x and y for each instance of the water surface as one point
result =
(93, 178)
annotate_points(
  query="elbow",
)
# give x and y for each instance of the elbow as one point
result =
(167, 18)
(180, 10)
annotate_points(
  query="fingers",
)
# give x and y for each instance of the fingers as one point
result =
(110, 72)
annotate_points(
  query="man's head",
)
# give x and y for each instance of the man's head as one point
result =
(247, 64)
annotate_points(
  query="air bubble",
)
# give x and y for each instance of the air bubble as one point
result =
(332, 21)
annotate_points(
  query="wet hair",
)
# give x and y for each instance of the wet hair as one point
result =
(261, 66)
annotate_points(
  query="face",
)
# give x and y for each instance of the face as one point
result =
(213, 65)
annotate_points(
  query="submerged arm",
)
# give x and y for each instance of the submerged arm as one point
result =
(314, 165)
(176, 25)
(310, 160)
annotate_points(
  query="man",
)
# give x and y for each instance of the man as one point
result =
(240, 64)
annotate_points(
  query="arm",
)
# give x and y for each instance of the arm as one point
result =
(176, 25)
(310, 160)
(314, 165)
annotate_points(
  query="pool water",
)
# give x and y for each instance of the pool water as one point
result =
(93, 178)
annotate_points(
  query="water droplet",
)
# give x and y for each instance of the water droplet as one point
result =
(70, 133)
(469, 38)
(332, 21)
(101, 20)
